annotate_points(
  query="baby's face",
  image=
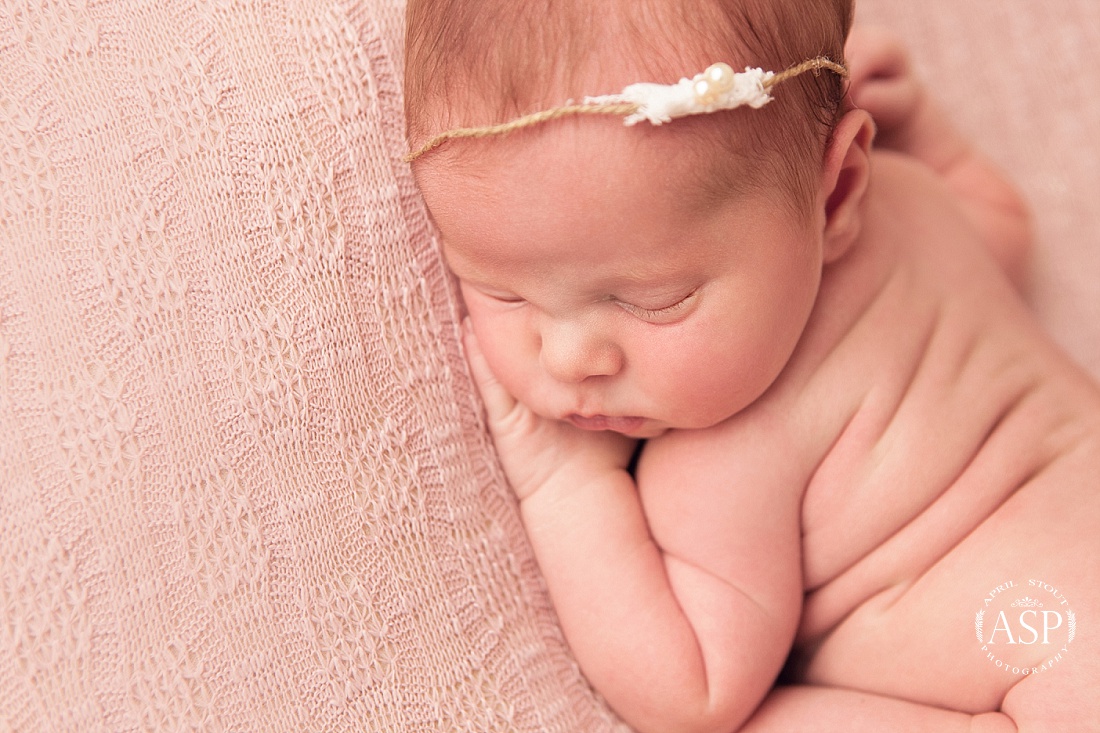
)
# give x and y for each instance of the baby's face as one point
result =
(607, 290)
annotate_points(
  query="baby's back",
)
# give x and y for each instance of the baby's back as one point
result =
(953, 451)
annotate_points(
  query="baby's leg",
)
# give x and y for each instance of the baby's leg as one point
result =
(911, 121)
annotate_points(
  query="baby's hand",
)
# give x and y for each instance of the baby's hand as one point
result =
(536, 451)
(883, 83)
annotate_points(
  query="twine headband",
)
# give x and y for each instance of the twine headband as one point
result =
(717, 88)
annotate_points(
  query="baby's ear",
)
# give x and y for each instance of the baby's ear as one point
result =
(844, 180)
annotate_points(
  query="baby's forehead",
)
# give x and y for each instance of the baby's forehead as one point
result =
(540, 200)
(694, 161)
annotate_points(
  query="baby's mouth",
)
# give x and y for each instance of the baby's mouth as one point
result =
(603, 422)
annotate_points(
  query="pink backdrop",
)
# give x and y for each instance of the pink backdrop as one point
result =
(1023, 78)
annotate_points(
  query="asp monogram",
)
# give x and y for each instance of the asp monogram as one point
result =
(1025, 627)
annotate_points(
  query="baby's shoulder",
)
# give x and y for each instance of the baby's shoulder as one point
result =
(915, 293)
(922, 214)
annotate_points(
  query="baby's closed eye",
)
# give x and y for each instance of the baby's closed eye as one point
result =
(668, 313)
(506, 298)
(498, 296)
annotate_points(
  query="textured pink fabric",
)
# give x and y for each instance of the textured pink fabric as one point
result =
(1023, 79)
(243, 480)
(242, 483)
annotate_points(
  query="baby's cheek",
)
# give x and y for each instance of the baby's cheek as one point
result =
(505, 348)
(719, 378)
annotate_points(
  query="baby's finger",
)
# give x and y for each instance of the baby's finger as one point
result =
(875, 58)
(874, 53)
(890, 103)
(498, 401)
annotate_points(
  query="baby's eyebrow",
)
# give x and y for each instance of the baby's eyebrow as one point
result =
(653, 281)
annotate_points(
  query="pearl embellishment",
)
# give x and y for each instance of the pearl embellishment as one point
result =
(712, 84)
(705, 93)
(720, 76)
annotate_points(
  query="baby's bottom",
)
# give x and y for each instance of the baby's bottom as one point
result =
(1022, 581)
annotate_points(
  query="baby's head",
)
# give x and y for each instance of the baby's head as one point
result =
(483, 61)
(636, 278)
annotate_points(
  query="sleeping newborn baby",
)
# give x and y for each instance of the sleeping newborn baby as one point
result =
(862, 462)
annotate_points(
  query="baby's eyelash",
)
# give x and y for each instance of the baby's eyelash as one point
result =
(658, 315)
(501, 297)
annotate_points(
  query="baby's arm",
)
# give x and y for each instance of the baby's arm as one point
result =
(910, 121)
(681, 629)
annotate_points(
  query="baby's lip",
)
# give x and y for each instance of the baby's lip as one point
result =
(604, 422)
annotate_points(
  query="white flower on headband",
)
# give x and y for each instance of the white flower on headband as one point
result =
(717, 88)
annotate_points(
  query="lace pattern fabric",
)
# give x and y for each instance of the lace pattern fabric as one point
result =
(243, 480)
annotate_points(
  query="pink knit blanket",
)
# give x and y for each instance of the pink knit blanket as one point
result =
(243, 480)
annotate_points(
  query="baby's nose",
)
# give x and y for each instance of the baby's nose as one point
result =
(573, 352)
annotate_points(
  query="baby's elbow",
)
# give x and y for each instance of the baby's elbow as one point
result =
(694, 720)
(725, 717)
(699, 711)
